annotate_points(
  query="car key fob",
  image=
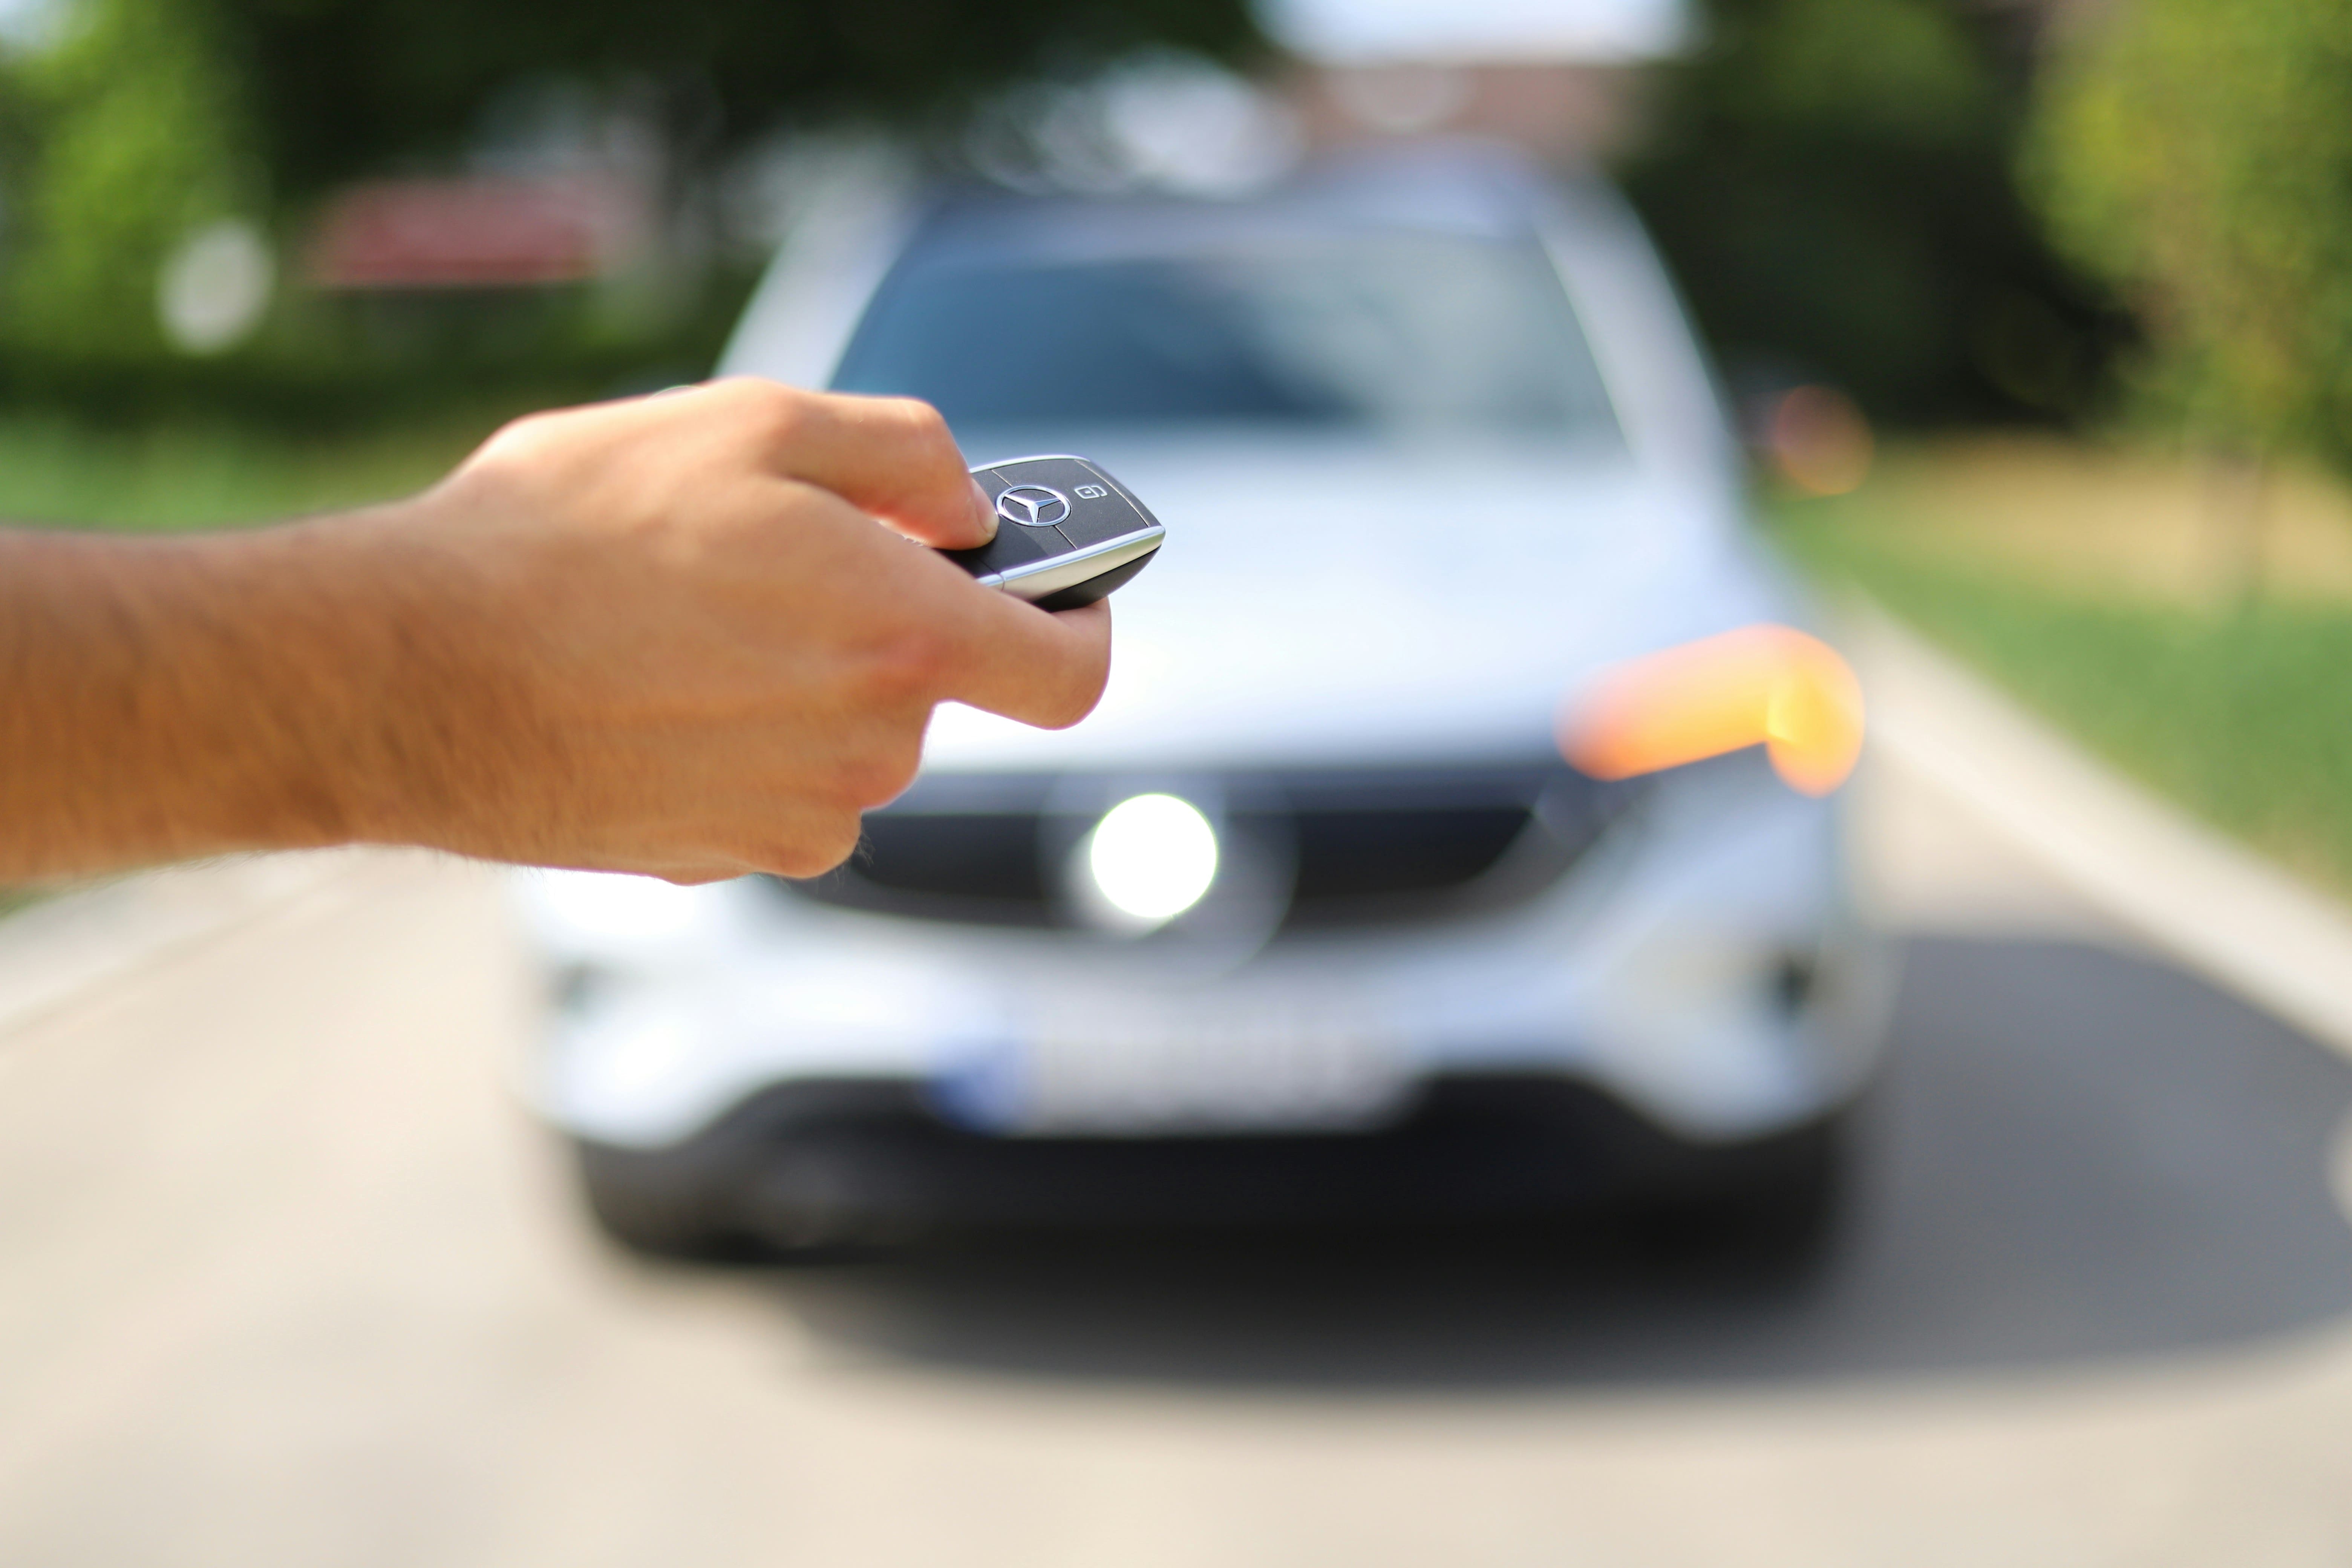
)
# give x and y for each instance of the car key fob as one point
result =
(1066, 533)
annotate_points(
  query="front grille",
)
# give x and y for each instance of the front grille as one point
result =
(966, 857)
(1355, 845)
(1378, 853)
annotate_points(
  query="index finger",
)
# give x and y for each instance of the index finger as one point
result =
(891, 457)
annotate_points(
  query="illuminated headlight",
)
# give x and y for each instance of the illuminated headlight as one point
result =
(1150, 858)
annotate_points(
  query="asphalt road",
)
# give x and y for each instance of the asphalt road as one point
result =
(284, 1280)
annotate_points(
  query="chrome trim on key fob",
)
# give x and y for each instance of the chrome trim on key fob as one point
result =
(1068, 534)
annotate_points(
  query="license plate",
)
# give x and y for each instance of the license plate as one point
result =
(1153, 1068)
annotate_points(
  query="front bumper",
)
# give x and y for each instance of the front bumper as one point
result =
(824, 1161)
(1701, 966)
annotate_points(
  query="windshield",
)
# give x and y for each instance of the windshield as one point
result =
(1394, 331)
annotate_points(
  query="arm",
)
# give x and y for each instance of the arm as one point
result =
(663, 635)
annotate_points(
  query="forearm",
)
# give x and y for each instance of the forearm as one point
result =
(669, 635)
(163, 698)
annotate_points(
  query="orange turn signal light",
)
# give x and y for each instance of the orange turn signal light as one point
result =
(1761, 685)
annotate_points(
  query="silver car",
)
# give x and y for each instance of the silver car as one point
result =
(1312, 918)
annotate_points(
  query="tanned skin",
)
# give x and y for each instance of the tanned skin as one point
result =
(684, 635)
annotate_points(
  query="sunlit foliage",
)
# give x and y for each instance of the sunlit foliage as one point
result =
(1833, 182)
(2199, 153)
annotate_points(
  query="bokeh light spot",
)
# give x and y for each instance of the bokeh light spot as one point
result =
(1152, 857)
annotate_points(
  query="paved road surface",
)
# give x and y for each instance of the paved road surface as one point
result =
(284, 1280)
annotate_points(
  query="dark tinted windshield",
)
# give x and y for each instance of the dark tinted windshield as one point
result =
(1383, 330)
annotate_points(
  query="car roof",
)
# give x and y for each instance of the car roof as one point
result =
(1469, 189)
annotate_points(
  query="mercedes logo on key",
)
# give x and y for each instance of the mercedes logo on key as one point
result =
(1032, 506)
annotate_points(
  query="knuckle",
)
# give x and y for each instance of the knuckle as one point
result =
(515, 438)
(805, 855)
(878, 775)
(793, 862)
(784, 411)
(772, 409)
(822, 846)
(925, 430)
(751, 389)
(924, 422)
(521, 428)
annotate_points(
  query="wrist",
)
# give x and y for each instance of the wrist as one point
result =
(289, 667)
(427, 722)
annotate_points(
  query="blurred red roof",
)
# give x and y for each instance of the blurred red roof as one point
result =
(474, 232)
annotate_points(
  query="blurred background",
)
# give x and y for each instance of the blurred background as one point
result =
(260, 258)
(2035, 321)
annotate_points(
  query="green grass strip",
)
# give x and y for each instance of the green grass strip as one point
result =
(56, 473)
(2245, 718)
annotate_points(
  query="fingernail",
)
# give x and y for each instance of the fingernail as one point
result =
(987, 507)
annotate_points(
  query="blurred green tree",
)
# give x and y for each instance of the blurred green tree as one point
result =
(2198, 153)
(342, 87)
(1832, 180)
(144, 122)
(133, 133)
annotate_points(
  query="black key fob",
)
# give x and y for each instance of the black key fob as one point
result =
(1066, 533)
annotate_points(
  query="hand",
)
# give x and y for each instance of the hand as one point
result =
(670, 635)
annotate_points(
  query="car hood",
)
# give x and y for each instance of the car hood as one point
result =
(1334, 601)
